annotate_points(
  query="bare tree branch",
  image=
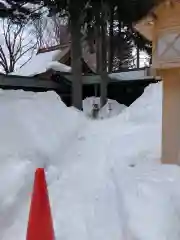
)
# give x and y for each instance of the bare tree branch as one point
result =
(15, 45)
(51, 31)
(24, 52)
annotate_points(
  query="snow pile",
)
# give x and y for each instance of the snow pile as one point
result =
(38, 64)
(104, 177)
(111, 109)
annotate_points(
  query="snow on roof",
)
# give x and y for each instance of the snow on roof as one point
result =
(40, 63)
(57, 66)
(130, 75)
(3, 2)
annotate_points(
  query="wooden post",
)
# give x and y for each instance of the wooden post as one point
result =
(171, 116)
(162, 27)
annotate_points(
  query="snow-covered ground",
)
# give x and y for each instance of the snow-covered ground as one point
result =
(105, 178)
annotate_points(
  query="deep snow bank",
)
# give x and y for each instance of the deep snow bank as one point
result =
(35, 129)
(104, 177)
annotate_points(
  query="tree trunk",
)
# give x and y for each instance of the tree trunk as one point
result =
(150, 60)
(111, 35)
(103, 63)
(138, 57)
(98, 51)
(76, 63)
(98, 43)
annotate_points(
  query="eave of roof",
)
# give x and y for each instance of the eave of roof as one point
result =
(145, 25)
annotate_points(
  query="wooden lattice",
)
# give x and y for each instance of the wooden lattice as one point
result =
(167, 49)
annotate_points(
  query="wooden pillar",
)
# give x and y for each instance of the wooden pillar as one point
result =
(171, 116)
(163, 29)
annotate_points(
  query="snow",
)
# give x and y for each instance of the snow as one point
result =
(3, 2)
(111, 109)
(38, 64)
(131, 75)
(57, 66)
(104, 177)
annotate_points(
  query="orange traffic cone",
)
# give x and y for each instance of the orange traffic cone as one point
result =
(40, 225)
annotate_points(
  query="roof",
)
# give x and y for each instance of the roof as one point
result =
(130, 75)
(89, 58)
(42, 62)
(53, 58)
(145, 25)
(35, 83)
(125, 76)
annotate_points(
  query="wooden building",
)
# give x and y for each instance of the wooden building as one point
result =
(51, 68)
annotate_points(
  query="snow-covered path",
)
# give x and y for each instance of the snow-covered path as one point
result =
(104, 177)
